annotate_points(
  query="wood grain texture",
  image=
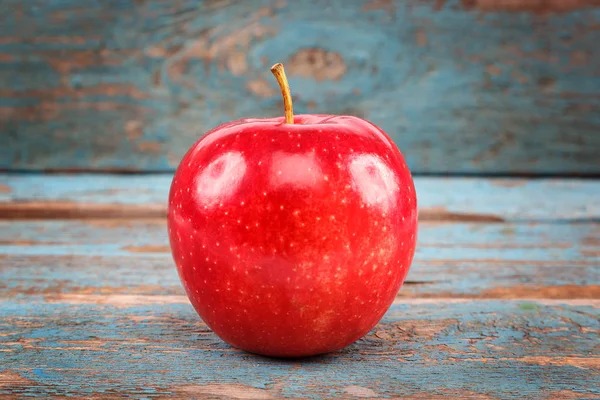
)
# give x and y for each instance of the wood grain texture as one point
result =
(439, 199)
(93, 260)
(462, 86)
(476, 350)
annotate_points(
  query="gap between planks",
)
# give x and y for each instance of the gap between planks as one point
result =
(134, 300)
(67, 210)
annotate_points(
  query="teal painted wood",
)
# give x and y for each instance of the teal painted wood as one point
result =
(120, 260)
(478, 350)
(475, 199)
(461, 86)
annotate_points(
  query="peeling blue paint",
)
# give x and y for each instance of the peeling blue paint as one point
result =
(459, 90)
(479, 347)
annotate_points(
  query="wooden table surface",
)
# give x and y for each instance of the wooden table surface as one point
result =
(502, 300)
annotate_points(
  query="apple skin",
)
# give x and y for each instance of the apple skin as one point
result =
(292, 240)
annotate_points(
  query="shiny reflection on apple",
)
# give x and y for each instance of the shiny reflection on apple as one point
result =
(374, 181)
(220, 179)
(295, 170)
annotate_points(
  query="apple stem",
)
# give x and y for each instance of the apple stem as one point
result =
(279, 73)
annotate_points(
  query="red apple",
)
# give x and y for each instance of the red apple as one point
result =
(292, 237)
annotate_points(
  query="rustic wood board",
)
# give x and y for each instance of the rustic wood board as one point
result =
(502, 300)
(92, 259)
(478, 350)
(460, 199)
(462, 86)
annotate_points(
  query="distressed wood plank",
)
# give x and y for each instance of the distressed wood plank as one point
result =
(462, 86)
(478, 350)
(51, 259)
(128, 279)
(461, 199)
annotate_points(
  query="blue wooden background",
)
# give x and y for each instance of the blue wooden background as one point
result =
(463, 87)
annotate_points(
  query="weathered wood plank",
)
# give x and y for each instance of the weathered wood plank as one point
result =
(461, 199)
(478, 350)
(50, 259)
(461, 86)
(110, 280)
